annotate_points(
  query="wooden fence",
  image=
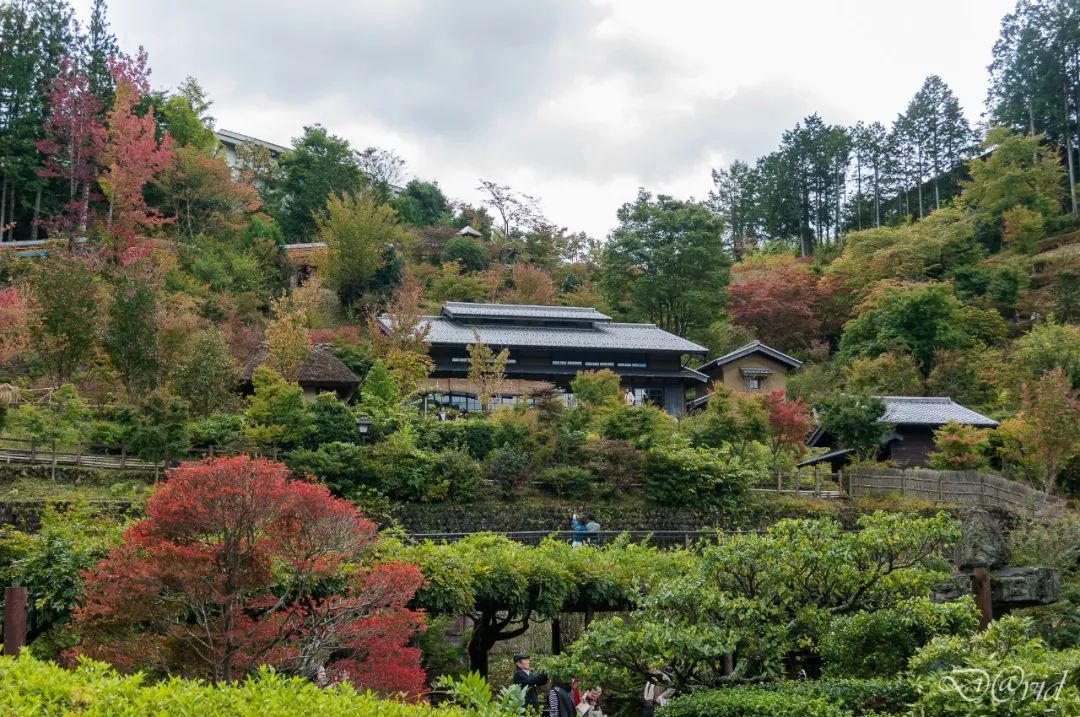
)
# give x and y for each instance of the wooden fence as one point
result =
(18, 450)
(955, 487)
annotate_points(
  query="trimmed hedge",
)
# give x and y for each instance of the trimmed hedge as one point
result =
(43, 689)
(750, 702)
(808, 698)
(859, 696)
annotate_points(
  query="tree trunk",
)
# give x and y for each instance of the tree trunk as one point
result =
(478, 651)
(34, 230)
(3, 206)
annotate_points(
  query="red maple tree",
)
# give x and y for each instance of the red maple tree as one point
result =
(132, 155)
(237, 565)
(790, 421)
(74, 138)
(784, 304)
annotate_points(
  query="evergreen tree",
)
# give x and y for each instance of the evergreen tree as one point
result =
(131, 332)
(320, 165)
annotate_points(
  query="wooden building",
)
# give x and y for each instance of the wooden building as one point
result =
(911, 440)
(549, 346)
(753, 368)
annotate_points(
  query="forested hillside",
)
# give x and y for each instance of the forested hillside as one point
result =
(162, 296)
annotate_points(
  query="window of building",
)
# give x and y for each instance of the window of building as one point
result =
(633, 363)
(755, 383)
(649, 396)
(564, 362)
(602, 364)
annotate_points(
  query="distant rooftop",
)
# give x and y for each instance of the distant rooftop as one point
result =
(931, 411)
(750, 348)
(227, 136)
(466, 311)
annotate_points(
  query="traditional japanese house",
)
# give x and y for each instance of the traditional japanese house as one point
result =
(548, 346)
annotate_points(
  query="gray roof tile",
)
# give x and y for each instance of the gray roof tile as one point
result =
(601, 335)
(464, 310)
(931, 411)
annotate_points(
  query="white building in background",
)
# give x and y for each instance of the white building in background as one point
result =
(231, 140)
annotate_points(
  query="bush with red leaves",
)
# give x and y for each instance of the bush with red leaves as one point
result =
(237, 565)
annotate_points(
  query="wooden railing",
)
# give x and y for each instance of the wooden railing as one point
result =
(973, 488)
(114, 457)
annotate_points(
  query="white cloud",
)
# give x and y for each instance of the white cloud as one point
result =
(577, 102)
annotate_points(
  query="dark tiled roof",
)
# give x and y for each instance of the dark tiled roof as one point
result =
(465, 311)
(825, 457)
(601, 335)
(321, 368)
(750, 348)
(931, 411)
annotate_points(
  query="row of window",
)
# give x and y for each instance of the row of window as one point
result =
(468, 402)
(574, 362)
(466, 359)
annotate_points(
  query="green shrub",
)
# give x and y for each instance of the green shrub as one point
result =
(476, 436)
(699, 476)
(750, 702)
(460, 473)
(219, 430)
(569, 481)
(996, 674)
(880, 642)
(619, 466)
(49, 563)
(860, 696)
(646, 426)
(508, 467)
(405, 472)
(331, 421)
(343, 467)
(33, 687)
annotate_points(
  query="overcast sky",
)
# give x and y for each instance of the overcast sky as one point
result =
(573, 101)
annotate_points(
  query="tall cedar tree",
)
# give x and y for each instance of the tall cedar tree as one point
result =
(237, 566)
(133, 156)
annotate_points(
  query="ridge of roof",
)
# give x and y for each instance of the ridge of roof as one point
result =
(752, 347)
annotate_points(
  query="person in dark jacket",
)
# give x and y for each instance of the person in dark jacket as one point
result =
(524, 676)
(560, 701)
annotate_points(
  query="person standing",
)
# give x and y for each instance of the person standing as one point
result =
(658, 691)
(560, 702)
(525, 677)
(579, 531)
(592, 531)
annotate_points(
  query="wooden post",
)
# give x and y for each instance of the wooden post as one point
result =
(556, 636)
(817, 482)
(54, 460)
(78, 456)
(14, 620)
(840, 480)
(779, 482)
(33, 451)
(982, 597)
(123, 455)
(941, 488)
